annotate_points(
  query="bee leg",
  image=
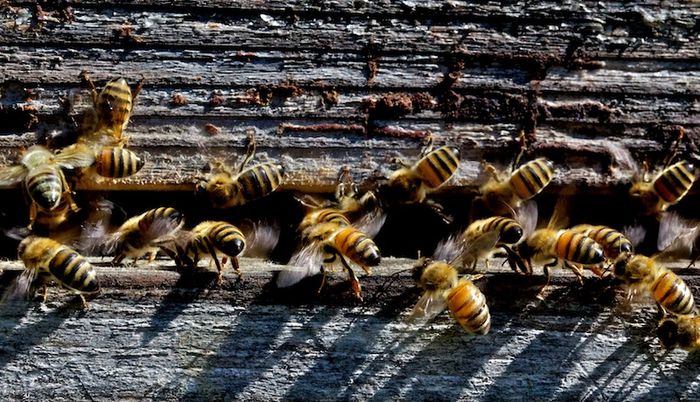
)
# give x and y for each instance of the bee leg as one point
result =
(212, 253)
(523, 148)
(692, 262)
(118, 259)
(152, 256)
(548, 274)
(354, 282)
(492, 171)
(236, 267)
(44, 293)
(577, 270)
(486, 264)
(250, 151)
(323, 280)
(85, 77)
(32, 214)
(84, 302)
(428, 147)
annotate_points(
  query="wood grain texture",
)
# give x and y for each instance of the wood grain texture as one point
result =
(472, 74)
(157, 335)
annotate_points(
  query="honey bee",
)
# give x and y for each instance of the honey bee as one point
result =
(209, 238)
(666, 189)
(682, 331)
(226, 189)
(364, 210)
(42, 173)
(614, 243)
(557, 247)
(53, 260)
(479, 241)
(411, 183)
(144, 234)
(112, 107)
(643, 274)
(442, 289)
(117, 162)
(326, 244)
(503, 194)
(52, 219)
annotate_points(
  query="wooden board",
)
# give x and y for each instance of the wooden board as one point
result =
(157, 335)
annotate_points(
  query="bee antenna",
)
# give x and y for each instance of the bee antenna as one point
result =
(523, 147)
(674, 149)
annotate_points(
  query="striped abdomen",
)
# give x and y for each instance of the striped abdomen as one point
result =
(510, 230)
(468, 307)
(674, 182)
(357, 247)
(45, 186)
(613, 242)
(438, 166)
(672, 293)
(73, 271)
(259, 181)
(169, 218)
(578, 248)
(325, 215)
(530, 178)
(114, 104)
(117, 162)
(224, 236)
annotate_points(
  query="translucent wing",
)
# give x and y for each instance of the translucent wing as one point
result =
(635, 234)
(526, 215)
(450, 248)
(481, 244)
(674, 229)
(622, 157)
(21, 287)
(261, 239)
(306, 262)
(429, 305)
(371, 223)
(77, 155)
(12, 174)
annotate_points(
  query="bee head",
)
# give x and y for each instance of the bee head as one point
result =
(668, 333)
(419, 268)
(233, 247)
(511, 234)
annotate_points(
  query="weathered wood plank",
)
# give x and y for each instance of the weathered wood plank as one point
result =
(156, 335)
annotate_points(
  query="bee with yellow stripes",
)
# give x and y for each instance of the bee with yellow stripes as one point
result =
(666, 189)
(681, 331)
(104, 124)
(614, 243)
(324, 245)
(143, 234)
(42, 174)
(226, 189)
(442, 289)
(208, 238)
(502, 194)
(411, 183)
(50, 260)
(117, 162)
(644, 275)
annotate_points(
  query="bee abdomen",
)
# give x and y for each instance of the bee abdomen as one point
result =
(357, 246)
(117, 162)
(530, 178)
(578, 248)
(114, 103)
(613, 242)
(438, 166)
(45, 187)
(164, 214)
(671, 292)
(73, 271)
(468, 307)
(674, 182)
(228, 238)
(260, 180)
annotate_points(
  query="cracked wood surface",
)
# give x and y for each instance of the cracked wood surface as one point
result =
(365, 79)
(153, 334)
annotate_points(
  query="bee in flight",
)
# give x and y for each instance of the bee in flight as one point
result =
(226, 189)
(44, 181)
(682, 331)
(326, 244)
(47, 259)
(411, 183)
(443, 289)
(104, 124)
(208, 238)
(642, 274)
(142, 234)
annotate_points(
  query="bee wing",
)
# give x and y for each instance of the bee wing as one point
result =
(162, 230)
(261, 238)
(21, 287)
(622, 157)
(676, 235)
(526, 215)
(12, 174)
(486, 241)
(371, 223)
(429, 305)
(306, 262)
(76, 155)
(94, 235)
(635, 234)
(449, 249)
